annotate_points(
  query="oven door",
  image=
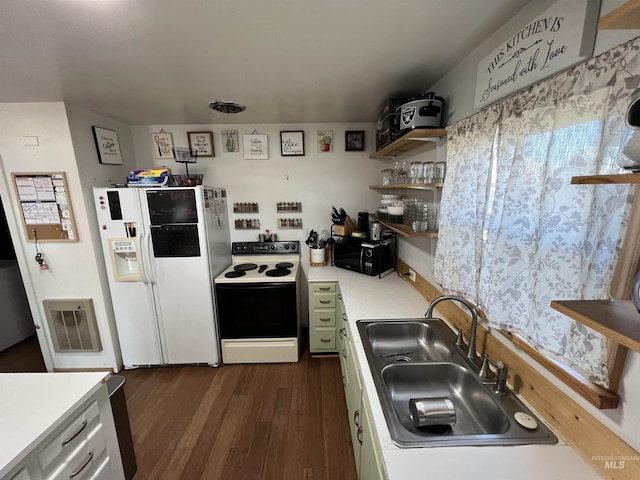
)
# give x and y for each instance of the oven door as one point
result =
(257, 310)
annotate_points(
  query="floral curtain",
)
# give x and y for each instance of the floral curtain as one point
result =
(514, 233)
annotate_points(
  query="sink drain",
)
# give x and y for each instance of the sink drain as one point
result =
(402, 358)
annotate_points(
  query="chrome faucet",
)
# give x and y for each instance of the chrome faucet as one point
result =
(471, 353)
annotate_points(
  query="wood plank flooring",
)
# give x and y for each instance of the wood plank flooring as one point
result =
(237, 422)
(23, 357)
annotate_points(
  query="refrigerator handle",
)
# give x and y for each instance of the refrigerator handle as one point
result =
(152, 277)
(142, 263)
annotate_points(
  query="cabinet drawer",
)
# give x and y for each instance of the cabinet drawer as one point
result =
(322, 340)
(71, 437)
(323, 318)
(322, 287)
(85, 460)
(323, 300)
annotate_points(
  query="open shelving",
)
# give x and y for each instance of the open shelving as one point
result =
(414, 186)
(405, 230)
(410, 141)
(617, 319)
(626, 16)
(617, 178)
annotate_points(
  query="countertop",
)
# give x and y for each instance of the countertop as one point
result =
(32, 405)
(390, 297)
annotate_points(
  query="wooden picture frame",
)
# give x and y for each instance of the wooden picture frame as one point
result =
(107, 145)
(45, 203)
(162, 145)
(354, 141)
(202, 142)
(292, 143)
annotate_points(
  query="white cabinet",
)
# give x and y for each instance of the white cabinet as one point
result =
(81, 444)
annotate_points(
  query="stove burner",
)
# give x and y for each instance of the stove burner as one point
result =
(278, 272)
(284, 265)
(235, 274)
(245, 266)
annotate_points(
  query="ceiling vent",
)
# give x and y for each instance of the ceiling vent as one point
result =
(226, 107)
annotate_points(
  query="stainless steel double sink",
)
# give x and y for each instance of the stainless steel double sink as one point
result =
(419, 359)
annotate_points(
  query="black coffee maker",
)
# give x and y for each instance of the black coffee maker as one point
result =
(363, 222)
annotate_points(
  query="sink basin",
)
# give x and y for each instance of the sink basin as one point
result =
(417, 341)
(476, 411)
(418, 359)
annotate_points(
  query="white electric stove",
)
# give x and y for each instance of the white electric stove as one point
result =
(258, 303)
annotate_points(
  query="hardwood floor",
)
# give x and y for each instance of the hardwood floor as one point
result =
(22, 357)
(237, 422)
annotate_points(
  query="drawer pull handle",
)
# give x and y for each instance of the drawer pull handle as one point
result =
(325, 319)
(356, 418)
(360, 435)
(70, 439)
(84, 465)
(325, 301)
(324, 289)
(340, 296)
(325, 340)
(342, 332)
(344, 353)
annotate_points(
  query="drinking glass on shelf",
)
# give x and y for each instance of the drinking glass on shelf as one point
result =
(432, 217)
(427, 172)
(439, 170)
(386, 176)
(415, 172)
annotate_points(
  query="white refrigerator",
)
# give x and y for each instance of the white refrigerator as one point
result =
(162, 248)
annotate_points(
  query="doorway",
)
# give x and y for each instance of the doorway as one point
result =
(19, 346)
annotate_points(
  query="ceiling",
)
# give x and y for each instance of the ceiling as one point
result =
(288, 61)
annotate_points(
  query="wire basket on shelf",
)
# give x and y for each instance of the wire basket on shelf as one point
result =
(187, 155)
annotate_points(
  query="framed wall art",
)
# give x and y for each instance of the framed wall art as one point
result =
(256, 146)
(354, 141)
(325, 140)
(230, 141)
(107, 145)
(292, 143)
(202, 142)
(162, 145)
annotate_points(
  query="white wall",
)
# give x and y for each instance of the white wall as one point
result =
(93, 173)
(72, 269)
(458, 89)
(318, 180)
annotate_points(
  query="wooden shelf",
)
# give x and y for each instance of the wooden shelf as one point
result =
(404, 230)
(617, 319)
(606, 179)
(626, 16)
(410, 141)
(415, 186)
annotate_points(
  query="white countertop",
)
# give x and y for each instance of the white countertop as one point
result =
(391, 297)
(32, 405)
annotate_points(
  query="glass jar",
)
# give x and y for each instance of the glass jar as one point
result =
(427, 172)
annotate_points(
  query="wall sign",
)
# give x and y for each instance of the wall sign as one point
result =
(202, 142)
(563, 35)
(107, 145)
(292, 143)
(256, 146)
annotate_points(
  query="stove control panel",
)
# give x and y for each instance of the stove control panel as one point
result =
(265, 248)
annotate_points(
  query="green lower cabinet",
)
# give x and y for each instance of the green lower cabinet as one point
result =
(322, 317)
(371, 467)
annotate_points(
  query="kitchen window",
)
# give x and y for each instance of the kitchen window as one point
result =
(514, 234)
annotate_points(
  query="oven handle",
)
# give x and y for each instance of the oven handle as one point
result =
(254, 286)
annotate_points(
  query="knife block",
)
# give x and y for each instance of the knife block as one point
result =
(345, 230)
